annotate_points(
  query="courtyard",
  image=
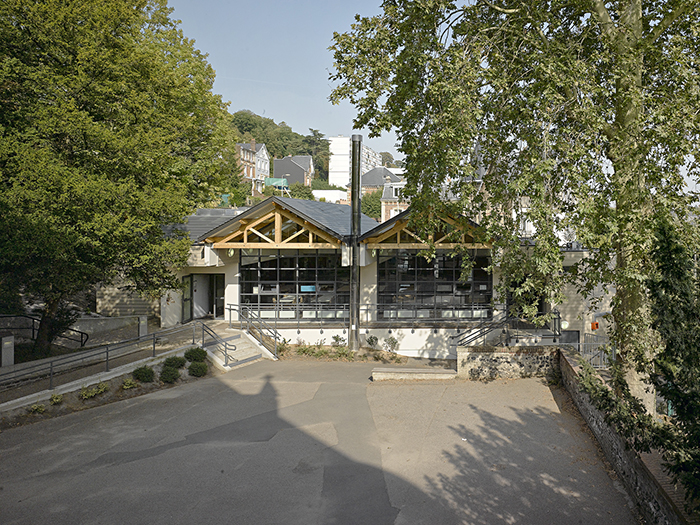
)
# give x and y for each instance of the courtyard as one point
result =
(314, 442)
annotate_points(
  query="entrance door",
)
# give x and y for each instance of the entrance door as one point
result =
(216, 294)
(187, 282)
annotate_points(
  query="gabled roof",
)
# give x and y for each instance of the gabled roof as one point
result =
(377, 177)
(395, 234)
(204, 220)
(333, 219)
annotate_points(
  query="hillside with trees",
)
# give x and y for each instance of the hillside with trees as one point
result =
(281, 141)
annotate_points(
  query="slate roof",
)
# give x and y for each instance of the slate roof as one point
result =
(332, 218)
(204, 220)
(377, 177)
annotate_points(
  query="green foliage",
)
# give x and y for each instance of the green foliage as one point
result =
(89, 393)
(372, 341)
(37, 409)
(299, 191)
(321, 184)
(338, 341)
(371, 204)
(144, 374)
(675, 373)
(174, 361)
(391, 344)
(198, 369)
(109, 130)
(571, 124)
(196, 355)
(388, 160)
(169, 374)
(129, 384)
(56, 399)
(280, 140)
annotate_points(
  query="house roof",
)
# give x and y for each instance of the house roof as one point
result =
(332, 218)
(377, 177)
(204, 220)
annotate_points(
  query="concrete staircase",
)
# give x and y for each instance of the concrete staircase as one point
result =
(247, 349)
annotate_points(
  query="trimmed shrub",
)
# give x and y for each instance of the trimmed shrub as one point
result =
(196, 355)
(174, 361)
(372, 341)
(129, 383)
(169, 374)
(198, 369)
(88, 393)
(145, 374)
(37, 409)
(56, 399)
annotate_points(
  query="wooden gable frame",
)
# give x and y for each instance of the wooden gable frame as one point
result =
(252, 233)
(400, 237)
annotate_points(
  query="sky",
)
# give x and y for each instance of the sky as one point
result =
(271, 57)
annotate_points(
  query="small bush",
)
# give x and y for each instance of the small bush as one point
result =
(88, 393)
(283, 346)
(129, 383)
(174, 361)
(372, 341)
(338, 341)
(198, 369)
(306, 350)
(391, 344)
(169, 374)
(145, 374)
(344, 353)
(196, 355)
(37, 409)
(56, 399)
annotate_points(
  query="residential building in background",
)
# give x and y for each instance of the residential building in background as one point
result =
(296, 168)
(255, 165)
(340, 148)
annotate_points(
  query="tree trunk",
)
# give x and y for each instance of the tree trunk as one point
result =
(45, 335)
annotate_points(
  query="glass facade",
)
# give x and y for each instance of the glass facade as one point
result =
(409, 285)
(312, 284)
(295, 283)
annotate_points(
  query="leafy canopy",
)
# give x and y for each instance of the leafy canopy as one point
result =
(109, 130)
(578, 117)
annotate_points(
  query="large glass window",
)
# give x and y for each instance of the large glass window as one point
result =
(411, 286)
(295, 283)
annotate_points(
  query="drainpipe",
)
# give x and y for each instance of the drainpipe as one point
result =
(354, 332)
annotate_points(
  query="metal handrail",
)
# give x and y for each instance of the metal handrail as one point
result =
(83, 335)
(63, 364)
(220, 342)
(483, 329)
(260, 326)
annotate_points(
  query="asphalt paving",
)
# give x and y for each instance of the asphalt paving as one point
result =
(305, 442)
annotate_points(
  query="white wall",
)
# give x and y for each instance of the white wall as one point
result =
(339, 163)
(330, 195)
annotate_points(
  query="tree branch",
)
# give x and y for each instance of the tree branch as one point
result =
(606, 23)
(506, 11)
(679, 11)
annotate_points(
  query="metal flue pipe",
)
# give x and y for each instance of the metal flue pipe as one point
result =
(354, 332)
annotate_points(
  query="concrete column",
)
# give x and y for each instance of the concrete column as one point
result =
(143, 325)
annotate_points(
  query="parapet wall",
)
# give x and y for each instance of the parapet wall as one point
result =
(492, 362)
(653, 500)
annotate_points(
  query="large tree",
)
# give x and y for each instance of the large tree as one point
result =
(580, 116)
(109, 130)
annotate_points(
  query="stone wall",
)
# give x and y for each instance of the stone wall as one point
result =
(655, 504)
(488, 362)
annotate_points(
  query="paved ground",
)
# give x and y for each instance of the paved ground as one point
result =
(313, 443)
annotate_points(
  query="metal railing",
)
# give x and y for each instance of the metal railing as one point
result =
(104, 354)
(504, 321)
(372, 314)
(483, 329)
(215, 340)
(597, 350)
(70, 334)
(266, 334)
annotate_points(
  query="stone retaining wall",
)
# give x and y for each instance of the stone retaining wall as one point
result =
(655, 504)
(489, 362)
